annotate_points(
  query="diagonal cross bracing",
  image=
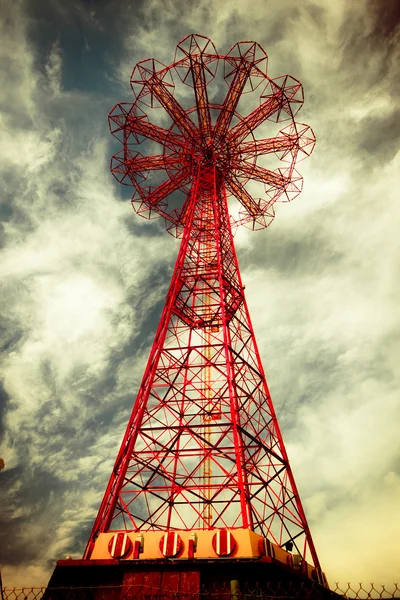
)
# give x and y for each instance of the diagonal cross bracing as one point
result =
(203, 431)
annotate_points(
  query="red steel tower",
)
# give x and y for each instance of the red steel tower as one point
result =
(202, 472)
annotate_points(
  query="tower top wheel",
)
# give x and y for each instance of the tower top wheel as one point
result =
(202, 96)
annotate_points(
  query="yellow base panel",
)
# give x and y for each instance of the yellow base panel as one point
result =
(246, 544)
(246, 547)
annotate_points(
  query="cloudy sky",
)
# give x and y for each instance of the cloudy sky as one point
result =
(83, 278)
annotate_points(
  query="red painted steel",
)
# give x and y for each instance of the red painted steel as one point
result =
(203, 448)
(223, 542)
(170, 544)
(266, 548)
(168, 585)
(119, 545)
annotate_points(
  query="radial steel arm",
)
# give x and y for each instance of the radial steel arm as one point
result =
(172, 106)
(232, 98)
(254, 148)
(154, 132)
(200, 90)
(239, 191)
(238, 133)
(264, 175)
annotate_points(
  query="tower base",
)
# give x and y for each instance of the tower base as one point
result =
(220, 579)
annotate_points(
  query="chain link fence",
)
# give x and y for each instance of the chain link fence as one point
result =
(273, 591)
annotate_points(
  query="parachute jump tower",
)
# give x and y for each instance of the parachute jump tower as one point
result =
(202, 487)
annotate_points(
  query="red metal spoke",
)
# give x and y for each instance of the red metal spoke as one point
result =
(138, 164)
(272, 178)
(167, 187)
(118, 117)
(239, 132)
(253, 148)
(172, 107)
(200, 90)
(232, 98)
(154, 132)
(239, 191)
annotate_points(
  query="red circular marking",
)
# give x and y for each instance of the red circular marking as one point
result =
(170, 544)
(119, 545)
(223, 542)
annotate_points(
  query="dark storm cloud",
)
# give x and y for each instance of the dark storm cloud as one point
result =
(148, 315)
(150, 319)
(369, 42)
(277, 29)
(90, 35)
(36, 496)
(298, 255)
(2, 236)
(177, 17)
(322, 370)
(148, 229)
(8, 208)
(379, 136)
(10, 333)
(4, 400)
(306, 386)
(387, 18)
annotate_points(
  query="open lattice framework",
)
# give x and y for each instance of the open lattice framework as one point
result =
(203, 449)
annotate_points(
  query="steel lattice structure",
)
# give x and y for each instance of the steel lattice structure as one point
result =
(203, 448)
